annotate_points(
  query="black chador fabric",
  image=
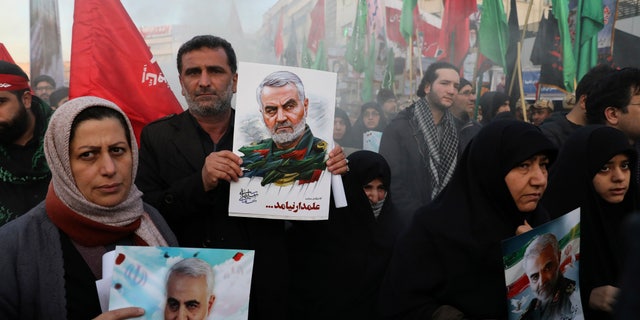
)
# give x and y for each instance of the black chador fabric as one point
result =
(571, 186)
(338, 265)
(451, 254)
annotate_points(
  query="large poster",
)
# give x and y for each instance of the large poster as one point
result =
(541, 271)
(168, 281)
(283, 133)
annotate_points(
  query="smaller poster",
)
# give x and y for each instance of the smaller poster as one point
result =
(204, 283)
(371, 140)
(283, 134)
(541, 271)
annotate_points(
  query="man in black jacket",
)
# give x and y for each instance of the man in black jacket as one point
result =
(24, 174)
(186, 166)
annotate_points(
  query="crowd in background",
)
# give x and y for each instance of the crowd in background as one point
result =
(430, 198)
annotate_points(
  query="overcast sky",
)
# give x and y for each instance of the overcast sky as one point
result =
(14, 18)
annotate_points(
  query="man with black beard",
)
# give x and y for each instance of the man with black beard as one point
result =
(186, 166)
(292, 153)
(24, 174)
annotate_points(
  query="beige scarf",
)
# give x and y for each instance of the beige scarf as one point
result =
(56, 148)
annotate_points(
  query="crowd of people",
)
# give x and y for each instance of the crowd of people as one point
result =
(427, 208)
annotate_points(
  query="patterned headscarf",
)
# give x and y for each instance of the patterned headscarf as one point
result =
(56, 147)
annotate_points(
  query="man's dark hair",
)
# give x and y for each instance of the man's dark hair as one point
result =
(430, 75)
(41, 78)
(58, 95)
(384, 95)
(211, 42)
(13, 69)
(614, 90)
(591, 78)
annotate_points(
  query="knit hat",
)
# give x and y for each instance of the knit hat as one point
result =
(384, 95)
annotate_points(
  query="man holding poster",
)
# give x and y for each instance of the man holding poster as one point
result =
(186, 166)
(292, 153)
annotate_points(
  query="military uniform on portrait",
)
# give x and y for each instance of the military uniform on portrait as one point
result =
(304, 162)
(563, 306)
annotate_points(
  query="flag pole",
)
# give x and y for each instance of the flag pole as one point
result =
(410, 68)
(518, 69)
(474, 80)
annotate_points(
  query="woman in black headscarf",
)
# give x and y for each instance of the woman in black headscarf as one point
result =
(338, 265)
(494, 103)
(595, 171)
(342, 131)
(448, 263)
(371, 118)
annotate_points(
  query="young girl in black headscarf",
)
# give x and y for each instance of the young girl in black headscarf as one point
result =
(448, 264)
(594, 171)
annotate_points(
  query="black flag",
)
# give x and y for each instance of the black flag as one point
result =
(547, 52)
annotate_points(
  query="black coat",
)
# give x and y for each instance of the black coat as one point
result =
(451, 252)
(571, 186)
(172, 153)
(338, 265)
(401, 145)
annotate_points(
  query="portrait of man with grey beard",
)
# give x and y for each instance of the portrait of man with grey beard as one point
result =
(291, 153)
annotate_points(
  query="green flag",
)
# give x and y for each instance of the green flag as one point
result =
(493, 36)
(320, 62)
(589, 23)
(306, 55)
(367, 85)
(406, 18)
(390, 72)
(356, 45)
(561, 12)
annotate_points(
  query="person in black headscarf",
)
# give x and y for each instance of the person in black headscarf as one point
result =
(371, 118)
(593, 172)
(448, 263)
(342, 130)
(338, 265)
(494, 103)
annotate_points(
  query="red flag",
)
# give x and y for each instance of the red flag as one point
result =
(393, 26)
(428, 34)
(279, 42)
(454, 35)
(110, 59)
(4, 54)
(317, 26)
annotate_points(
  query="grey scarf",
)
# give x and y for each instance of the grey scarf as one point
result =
(441, 154)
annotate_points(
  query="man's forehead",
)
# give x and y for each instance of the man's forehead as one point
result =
(205, 56)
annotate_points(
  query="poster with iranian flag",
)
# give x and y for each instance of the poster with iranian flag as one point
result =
(541, 270)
